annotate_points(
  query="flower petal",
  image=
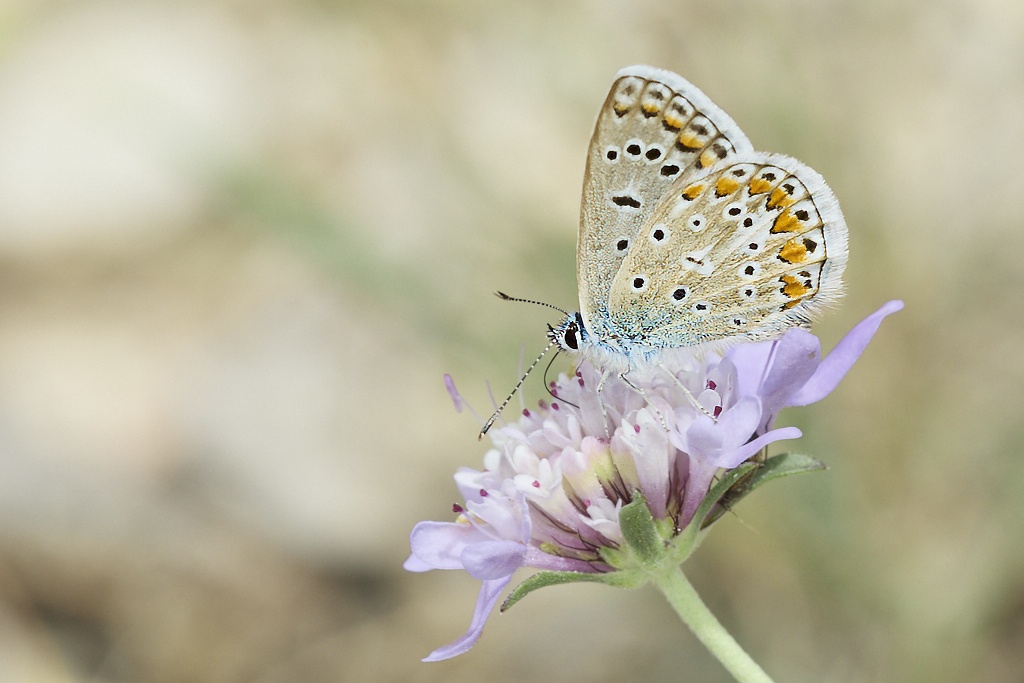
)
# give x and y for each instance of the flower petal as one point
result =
(750, 361)
(440, 545)
(707, 440)
(839, 361)
(415, 564)
(695, 488)
(737, 423)
(747, 450)
(796, 357)
(493, 559)
(652, 455)
(490, 591)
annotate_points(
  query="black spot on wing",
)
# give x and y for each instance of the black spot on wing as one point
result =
(625, 200)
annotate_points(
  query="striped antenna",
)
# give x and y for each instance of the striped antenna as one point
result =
(497, 413)
(505, 297)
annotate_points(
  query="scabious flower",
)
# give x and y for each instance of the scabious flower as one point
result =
(617, 485)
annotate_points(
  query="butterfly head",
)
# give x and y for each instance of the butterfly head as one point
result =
(571, 335)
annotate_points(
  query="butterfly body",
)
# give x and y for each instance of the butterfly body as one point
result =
(689, 238)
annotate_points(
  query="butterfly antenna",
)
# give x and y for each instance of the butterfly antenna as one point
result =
(505, 297)
(497, 413)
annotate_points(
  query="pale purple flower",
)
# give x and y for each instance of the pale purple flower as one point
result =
(553, 482)
(790, 372)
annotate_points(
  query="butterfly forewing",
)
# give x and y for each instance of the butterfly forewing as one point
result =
(744, 249)
(654, 131)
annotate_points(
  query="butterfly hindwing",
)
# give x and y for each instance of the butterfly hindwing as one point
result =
(745, 249)
(654, 131)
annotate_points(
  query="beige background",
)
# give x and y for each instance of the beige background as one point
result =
(240, 243)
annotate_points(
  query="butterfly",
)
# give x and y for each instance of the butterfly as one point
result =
(688, 237)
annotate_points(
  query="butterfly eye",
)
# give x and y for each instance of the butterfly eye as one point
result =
(697, 222)
(570, 340)
(748, 293)
(612, 154)
(680, 293)
(639, 283)
(701, 307)
(739, 321)
(622, 246)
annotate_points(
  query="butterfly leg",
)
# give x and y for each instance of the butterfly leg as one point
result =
(647, 400)
(634, 387)
(689, 395)
(600, 402)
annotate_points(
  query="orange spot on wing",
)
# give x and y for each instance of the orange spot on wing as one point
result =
(726, 185)
(689, 141)
(759, 186)
(707, 158)
(793, 288)
(785, 222)
(779, 198)
(793, 252)
(674, 122)
(692, 192)
(651, 109)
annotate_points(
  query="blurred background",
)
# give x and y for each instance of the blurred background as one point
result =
(241, 242)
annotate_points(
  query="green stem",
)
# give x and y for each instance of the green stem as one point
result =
(695, 614)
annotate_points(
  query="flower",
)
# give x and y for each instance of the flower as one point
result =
(554, 484)
(797, 375)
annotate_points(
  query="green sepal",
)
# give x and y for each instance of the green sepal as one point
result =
(615, 557)
(640, 532)
(775, 467)
(783, 465)
(687, 541)
(626, 579)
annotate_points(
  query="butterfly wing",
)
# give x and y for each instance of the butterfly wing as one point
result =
(745, 249)
(653, 129)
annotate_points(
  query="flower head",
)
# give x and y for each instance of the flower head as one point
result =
(554, 483)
